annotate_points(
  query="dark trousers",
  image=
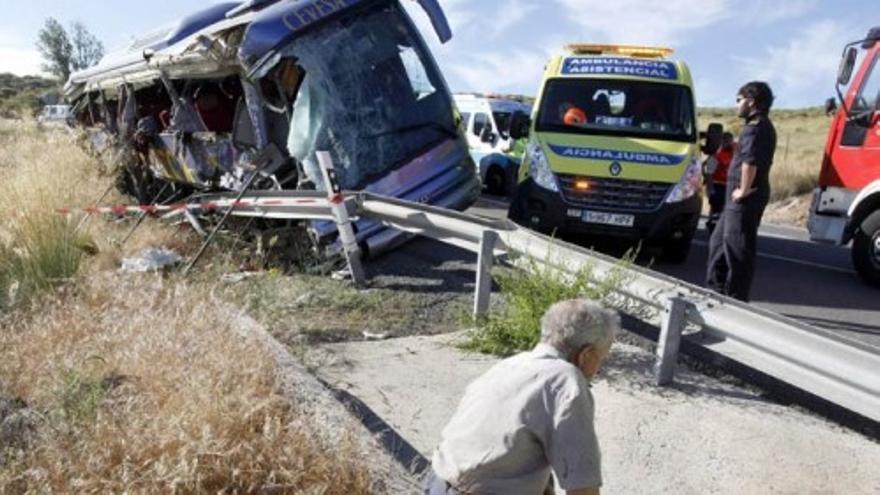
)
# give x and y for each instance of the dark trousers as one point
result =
(733, 248)
(717, 195)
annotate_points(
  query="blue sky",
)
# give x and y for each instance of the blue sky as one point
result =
(502, 45)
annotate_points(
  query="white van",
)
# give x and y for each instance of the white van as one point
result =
(56, 114)
(486, 123)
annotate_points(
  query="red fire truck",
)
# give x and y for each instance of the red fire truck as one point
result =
(846, 205)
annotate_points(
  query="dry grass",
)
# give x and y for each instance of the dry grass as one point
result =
(132, 383)
(800, 143)
(39, 248)
(142, 385)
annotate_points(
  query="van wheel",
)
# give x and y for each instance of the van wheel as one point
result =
(866, 250)
(495, 181)
(676, 250)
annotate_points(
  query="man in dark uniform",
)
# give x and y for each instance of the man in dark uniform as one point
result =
(732, 247)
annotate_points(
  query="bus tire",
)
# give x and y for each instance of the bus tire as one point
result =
(866, 250)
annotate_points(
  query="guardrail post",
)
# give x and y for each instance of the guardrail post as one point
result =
(483, 287)
(670, 339)
(343, 222)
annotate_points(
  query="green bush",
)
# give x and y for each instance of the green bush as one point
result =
(43, 252)
(528, 292)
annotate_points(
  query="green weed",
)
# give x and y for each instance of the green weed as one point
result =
(528, 292)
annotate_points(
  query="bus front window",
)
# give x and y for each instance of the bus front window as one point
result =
(370, 96)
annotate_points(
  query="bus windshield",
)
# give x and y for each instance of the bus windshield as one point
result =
(618, 108)
(370, 95)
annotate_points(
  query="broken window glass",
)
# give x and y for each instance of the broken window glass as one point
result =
(369, 97)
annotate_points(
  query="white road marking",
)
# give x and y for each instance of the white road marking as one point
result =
(792, 260)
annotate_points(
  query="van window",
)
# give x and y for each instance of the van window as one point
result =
(480, 120)
(618, 108)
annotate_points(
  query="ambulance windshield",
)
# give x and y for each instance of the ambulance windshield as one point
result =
(618, 108)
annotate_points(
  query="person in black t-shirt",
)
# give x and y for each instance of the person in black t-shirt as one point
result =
(733, 245)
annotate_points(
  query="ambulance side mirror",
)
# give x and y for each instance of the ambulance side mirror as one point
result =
(519, 125)
(487, 136)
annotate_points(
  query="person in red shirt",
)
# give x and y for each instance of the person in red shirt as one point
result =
(718, 185)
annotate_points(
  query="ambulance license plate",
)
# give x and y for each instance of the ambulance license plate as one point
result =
(616, 219)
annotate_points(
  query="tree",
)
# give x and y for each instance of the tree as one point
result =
(65, 52)
(87, 50)
(56, 49)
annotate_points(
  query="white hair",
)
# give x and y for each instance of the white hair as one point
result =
(571, 325)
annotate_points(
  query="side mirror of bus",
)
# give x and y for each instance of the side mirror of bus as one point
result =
(847, 63)
(519, 125)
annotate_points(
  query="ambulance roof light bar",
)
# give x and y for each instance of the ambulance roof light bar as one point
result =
(628, 50)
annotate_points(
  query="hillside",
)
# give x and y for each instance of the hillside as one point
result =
(19, 95)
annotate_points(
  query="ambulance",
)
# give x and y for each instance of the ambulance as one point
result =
(613, 149)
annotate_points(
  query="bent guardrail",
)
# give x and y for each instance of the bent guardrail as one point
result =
(844, 372)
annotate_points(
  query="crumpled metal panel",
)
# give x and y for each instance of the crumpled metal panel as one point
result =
(280, 22)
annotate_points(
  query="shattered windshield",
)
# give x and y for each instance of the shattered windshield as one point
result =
(618, 108)
(370, 96)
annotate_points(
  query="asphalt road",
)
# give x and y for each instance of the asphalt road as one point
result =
(811, 282)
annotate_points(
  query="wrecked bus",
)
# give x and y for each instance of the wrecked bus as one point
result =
(243, 94)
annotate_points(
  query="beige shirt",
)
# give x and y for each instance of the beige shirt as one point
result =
(528, 413)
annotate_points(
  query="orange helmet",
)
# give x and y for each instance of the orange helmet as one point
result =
(575, 116)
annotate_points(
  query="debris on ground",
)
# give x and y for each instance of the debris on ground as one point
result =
(152, 259)
(234, 278)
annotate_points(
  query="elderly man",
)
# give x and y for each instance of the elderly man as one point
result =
(531, 413)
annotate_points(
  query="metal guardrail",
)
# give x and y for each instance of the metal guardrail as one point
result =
(841, 371)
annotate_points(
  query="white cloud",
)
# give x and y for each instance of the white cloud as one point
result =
(503, 72)
(764, 12)
(637, 21)
(510, 13)
(669, 22)
(19, 61)
(804, 69)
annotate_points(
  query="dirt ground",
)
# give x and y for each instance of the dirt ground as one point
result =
(700, 436)
(793, 211)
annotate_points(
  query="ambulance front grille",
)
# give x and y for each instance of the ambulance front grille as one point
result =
(614, 194)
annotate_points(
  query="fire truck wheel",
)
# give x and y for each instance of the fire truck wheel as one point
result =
(866, 250)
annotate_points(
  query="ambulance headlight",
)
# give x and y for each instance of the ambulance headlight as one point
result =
(539, 167)
(690, 183)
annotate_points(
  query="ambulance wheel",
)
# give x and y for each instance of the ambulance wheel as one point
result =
(676, 250)
(866, 250)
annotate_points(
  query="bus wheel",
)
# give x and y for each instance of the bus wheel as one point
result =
(495, 181)
(866, 250)
(676, 250)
